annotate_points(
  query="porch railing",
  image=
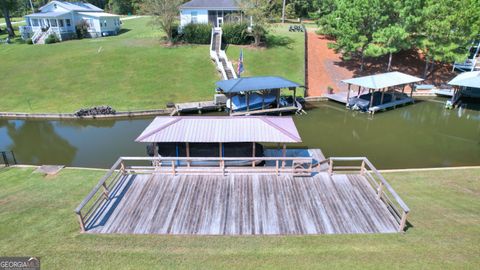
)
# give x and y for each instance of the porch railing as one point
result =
(382, 188)
(184, 166)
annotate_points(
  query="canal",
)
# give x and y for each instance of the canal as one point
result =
(415, 136)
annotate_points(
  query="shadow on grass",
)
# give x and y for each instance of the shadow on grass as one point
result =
(123, 31)
(273, 41)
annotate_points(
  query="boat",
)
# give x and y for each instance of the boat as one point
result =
(208, 150)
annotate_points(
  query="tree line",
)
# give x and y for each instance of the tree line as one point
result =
(441, 30)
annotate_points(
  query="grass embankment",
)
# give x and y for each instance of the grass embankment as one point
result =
(37, 219)
(131, 71)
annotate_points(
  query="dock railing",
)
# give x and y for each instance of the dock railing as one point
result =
(183, 166)
(382, 188)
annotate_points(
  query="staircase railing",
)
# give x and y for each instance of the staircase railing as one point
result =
(382, 188)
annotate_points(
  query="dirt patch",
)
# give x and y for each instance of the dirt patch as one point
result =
(323, 66)
(327, 68)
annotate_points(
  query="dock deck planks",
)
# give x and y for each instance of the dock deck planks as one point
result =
(243, 205)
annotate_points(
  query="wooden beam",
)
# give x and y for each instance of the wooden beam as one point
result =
(278, 98)
(348, 93)
(383, 93)
(359, 87)
(253, 154)
(284, 153)
(371, 99)
(248, 101)
(187, 147)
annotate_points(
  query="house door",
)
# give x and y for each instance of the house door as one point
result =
(219, 21)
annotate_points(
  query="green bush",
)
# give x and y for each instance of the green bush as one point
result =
(236, 33)
(197, 33)
(29, 41)
(52, 38)
(82, 29)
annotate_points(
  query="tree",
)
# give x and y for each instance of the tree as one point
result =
(353, 24)
(259, 12)
(164, 14)
(6, 6)
(388, 40)
(120, 6)
(446, 30)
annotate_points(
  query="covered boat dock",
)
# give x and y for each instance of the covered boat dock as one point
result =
(287, 195)
(259, 95)
(377, 92)
(465, 84)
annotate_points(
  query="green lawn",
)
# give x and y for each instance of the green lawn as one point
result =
(36, 218)
(284, 55)
(13, 19)
(132, 71)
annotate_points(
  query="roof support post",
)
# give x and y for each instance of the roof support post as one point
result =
(411, 90)
(383, 93)
(248, 101)
(187, 148)
(284, 154)
(253, 154)
(358, 94)
(278, 98)
(348, 93)
(231, 101)
(371, 99)
(294, 96)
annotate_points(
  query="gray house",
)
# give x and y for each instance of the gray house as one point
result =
(215, 12)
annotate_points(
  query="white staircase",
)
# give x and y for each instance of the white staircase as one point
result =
(218, 55)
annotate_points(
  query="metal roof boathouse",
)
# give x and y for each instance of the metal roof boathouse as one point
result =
(259, 95)
(220, 194)
(377, 92)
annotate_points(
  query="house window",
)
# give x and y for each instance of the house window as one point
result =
(60, 23)
(194, 16)
(35, 22)
(53, 23)
(67, 21)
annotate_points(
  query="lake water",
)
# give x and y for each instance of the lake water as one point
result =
(414, 136)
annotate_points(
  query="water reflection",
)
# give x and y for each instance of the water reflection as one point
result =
(35, 142)
(419, 135)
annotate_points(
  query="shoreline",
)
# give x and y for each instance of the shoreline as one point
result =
(124, 114)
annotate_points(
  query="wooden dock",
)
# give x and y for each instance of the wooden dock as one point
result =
(340, 97)
(390, 105)
(243, 205)
(247, 200)
(202, 106)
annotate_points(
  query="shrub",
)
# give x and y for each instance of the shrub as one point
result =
(52, 38)
(197, 33)
(236, 33)
(29, 41)
(82, 29)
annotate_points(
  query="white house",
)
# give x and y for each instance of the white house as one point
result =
(60, 18)
(215, 12)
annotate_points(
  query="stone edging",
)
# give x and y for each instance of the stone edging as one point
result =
(58, 116)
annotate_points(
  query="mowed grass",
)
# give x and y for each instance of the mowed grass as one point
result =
(37, 219)
(131, 71)
(282, 56)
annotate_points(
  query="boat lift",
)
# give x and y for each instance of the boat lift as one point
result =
(472, 61)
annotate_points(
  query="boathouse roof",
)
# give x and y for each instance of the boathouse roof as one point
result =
(246, 84)
(467, 79)
(210, 129)
(384, 80)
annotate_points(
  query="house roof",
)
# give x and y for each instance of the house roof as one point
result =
(48, 14)
(467, 79)
(246, 84)
(383, 80)
(98, 14)
(211, 4)
(216, 129)
(74, 6)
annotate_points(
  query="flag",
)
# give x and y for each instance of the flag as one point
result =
(240, 64)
